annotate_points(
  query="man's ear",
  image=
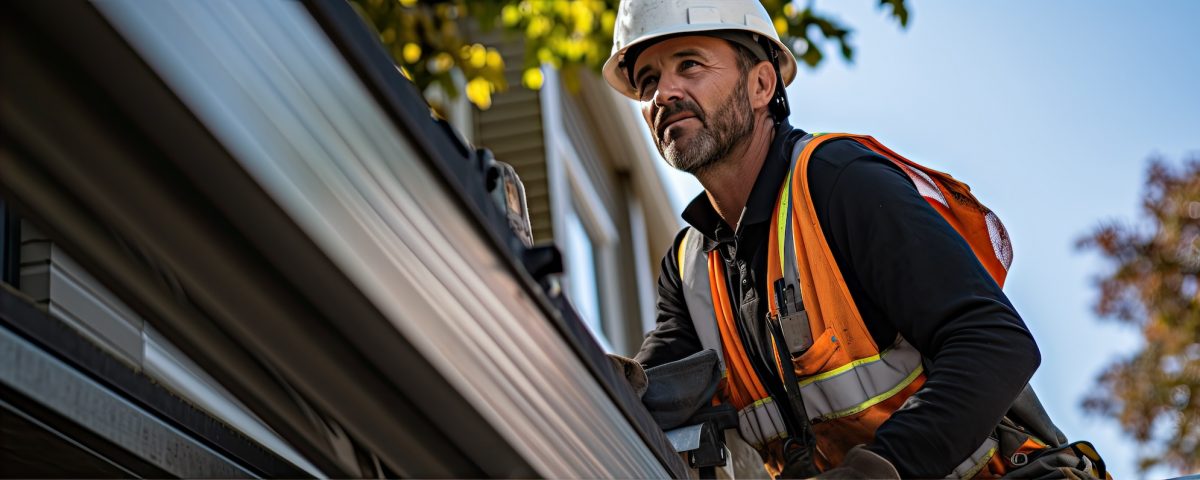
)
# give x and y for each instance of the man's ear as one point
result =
(761, 84)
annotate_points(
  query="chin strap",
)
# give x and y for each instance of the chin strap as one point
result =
(780, 109)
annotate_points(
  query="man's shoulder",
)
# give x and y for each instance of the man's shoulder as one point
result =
(840, 152)
(832, 158)
(844, 168)
(670, 260)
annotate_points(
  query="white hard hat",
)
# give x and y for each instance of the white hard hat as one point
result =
(641, 21)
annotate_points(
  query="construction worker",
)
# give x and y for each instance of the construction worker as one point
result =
(877, 281)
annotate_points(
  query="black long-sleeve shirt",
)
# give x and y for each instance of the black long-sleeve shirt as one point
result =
(908, 271)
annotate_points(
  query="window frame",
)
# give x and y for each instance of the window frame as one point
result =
(571, 187)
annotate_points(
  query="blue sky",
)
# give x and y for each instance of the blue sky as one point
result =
(1049, 111)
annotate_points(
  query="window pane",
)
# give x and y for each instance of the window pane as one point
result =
(581, 283)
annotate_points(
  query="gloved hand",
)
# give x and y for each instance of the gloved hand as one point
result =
(862, 463)
(632, 371)
(677, 390)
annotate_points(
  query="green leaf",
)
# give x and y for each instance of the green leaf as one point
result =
(575, 33)
(899, 10)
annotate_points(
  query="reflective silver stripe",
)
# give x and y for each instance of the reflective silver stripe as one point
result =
(693, 272)
(790, 268)
(976, 461)
(761, 422)
(797, 332)
(1000, 242)
(860, 384)
(925, 185)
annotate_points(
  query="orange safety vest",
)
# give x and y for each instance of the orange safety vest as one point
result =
(849, 384)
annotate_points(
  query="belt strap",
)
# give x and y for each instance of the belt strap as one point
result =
(799, 449)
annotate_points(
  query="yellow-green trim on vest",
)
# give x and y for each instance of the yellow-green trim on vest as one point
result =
(859, 385)
(976, 461)
(781, 223)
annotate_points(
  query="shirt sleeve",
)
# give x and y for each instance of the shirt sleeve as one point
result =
(673, 336)
(926, 284)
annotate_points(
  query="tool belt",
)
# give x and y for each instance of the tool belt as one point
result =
(1031, 446)
(1075, 460)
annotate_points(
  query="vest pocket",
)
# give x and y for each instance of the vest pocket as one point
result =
(826, 353)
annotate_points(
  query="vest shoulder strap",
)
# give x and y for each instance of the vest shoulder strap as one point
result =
(697, 291)
(789, 291)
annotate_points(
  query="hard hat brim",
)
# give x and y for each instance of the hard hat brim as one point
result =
(617, 78)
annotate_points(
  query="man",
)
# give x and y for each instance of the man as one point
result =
(710, 77)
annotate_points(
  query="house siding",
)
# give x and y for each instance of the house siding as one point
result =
(512, 130)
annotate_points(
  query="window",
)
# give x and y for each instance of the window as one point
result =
(583, 227)
(586, 237)
(580, 263)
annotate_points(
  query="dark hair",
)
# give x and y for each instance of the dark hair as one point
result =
(745, 58)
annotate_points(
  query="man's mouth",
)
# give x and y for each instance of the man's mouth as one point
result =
(666, 124)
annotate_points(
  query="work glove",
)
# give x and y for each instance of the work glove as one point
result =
(860, 463)
(678, 389)
(632, 371)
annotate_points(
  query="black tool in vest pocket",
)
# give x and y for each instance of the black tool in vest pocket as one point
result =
(793, 319)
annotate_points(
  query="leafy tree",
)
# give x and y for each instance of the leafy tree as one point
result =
(425, 37)
(1155, 286)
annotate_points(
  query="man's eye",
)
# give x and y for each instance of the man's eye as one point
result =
(647, 85)
(686, 64)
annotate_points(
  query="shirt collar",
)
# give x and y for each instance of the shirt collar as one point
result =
(701, 215)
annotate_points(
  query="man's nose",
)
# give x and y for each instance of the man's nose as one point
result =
(670, 90)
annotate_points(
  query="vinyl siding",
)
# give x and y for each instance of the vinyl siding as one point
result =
(512, 130)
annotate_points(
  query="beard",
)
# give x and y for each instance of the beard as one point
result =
(716, 137)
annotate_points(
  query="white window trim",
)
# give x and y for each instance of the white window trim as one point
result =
(569, 182)
(642, 266)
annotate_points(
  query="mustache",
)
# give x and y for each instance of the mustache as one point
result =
(671, 110)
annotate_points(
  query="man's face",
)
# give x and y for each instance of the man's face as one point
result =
(694, 100)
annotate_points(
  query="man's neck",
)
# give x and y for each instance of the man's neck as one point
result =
(729, 181)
